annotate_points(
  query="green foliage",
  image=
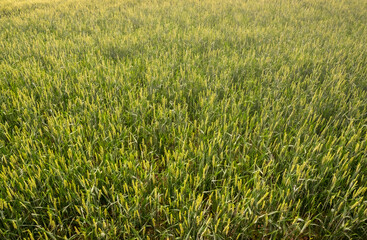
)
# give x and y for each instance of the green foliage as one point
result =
(126, 119)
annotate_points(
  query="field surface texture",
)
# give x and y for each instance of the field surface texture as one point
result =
(183, 119)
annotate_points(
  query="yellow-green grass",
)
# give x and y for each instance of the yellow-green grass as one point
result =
(211, 119)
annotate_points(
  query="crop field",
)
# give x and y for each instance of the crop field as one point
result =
(183, 119)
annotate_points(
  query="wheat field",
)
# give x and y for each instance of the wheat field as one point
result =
(183, 119)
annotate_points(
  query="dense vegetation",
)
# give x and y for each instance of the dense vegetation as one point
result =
(212, 119)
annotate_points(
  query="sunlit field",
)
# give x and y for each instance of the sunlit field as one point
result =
(183, 119)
